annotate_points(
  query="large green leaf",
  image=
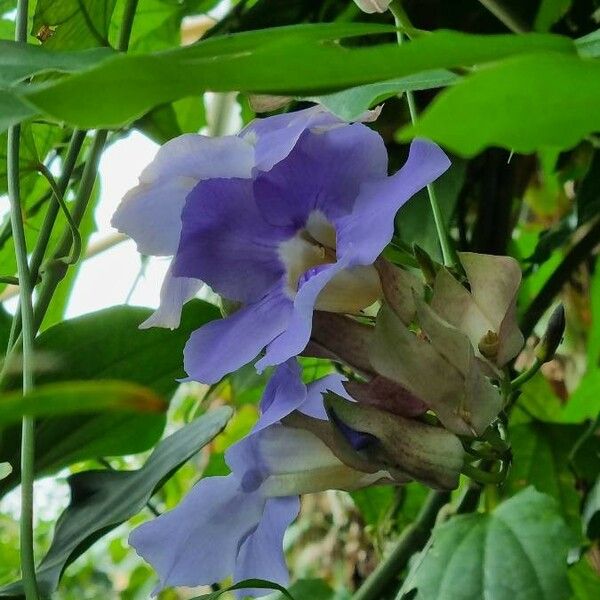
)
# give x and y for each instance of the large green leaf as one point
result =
(541, 458)
(101, 500)
(517, 552)
(12, 109)
(75, 397)
(288, 60)
(522, 104)
(18, 61)
(105, 345)
(77, 23)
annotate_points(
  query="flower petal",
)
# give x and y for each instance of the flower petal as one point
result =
(261, 554)
(296, 335)
(365, 233)
(174, 293)
(150, 212)
(275, 137)
(197, 542)
(283, 394)
(322, 173)
(223, 346)
(226, 242)
(313, 406)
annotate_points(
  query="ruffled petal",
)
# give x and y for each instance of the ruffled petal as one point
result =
(197, 542)
(284, 393)
(322, 173)
(275, 137)
(261, 554)
(223, 346)
(174, 293)
(368, 229)
(226, 242)
(296, 335)
(150, 212)
(313, 406)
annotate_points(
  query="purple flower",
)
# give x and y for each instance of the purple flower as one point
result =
(150, 213)
(300, 237)
(234, 525)
(299, 232)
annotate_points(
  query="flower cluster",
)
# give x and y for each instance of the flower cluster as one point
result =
(287, 222)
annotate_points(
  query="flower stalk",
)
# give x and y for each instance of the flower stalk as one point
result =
(447, 253)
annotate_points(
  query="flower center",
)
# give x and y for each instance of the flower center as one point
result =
(309, 251)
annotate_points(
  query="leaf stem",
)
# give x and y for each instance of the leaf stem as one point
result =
(41, 244)
(25, 295)
(402, 22)
(56, 268)
(505, 15)
(525, 376)
(412, 539)
(127, 24)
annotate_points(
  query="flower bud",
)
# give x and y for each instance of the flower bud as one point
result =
(553, 336)
(373, 6)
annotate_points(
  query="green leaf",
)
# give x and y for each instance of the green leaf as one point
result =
(12, 110)
(591, 512)
(259, 584)
(101, 500)
(585, 581)
(541, 458)
(78, 23)
(584, 402)
(74, 397)
(19, 61)
(105, 344)
(287, 60)
(517, 551)
(521, 104)
(375, 503)
(352, 103)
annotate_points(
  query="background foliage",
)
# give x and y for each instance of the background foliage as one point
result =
(520, 114)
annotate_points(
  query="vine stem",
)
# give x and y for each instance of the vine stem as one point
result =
(505, 15)
(25, 296)
(447, 254)
(412, 539)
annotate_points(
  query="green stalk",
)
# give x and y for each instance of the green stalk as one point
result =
(505, 15)
(41, 244)
(402, 22)
(56, 267)
(413, 538)
(25, 295)
(127, 24)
